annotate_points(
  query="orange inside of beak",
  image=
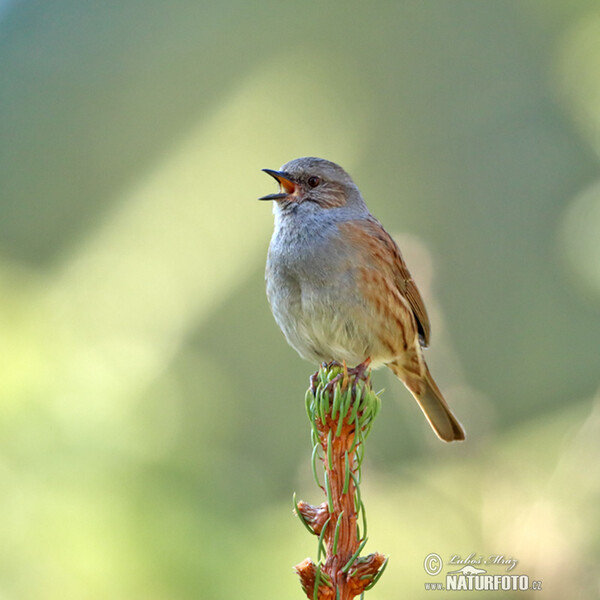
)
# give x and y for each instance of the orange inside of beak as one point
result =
(287, 186)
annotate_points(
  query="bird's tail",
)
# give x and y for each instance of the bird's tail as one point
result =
(433, 405)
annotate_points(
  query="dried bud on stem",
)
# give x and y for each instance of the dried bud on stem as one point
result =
(341, 406)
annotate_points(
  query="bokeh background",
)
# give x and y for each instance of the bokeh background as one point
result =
(152, 424)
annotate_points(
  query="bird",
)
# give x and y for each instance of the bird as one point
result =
(339, 288)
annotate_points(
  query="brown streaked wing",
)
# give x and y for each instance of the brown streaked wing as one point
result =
(374, 239)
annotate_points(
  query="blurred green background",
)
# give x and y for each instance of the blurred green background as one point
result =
(152, 424)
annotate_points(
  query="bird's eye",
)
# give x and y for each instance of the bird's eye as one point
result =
(313, 181)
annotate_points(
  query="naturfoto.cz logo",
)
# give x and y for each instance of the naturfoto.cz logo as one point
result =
(472, 577)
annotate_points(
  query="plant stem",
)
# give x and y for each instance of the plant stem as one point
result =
(341, 406)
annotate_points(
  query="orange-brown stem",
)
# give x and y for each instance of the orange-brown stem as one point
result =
(343, 504)
(343, 575)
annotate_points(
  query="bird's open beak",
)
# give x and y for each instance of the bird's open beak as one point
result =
(287, 186)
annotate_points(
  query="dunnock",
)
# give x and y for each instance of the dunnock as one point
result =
(339, 288)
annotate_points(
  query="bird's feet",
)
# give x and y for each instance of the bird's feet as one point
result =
(361, 371)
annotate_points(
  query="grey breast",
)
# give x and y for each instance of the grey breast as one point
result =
(311, 287)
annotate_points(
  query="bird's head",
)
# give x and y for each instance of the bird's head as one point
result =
(314, 180)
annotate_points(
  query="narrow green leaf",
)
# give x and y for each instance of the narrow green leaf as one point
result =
(313, 414)
(336, 535)
(346, 473)
(326, 579)
(360, 454)
(337, 397)
(379, 574)
(325, 402)
(308, 398)
(317, 582)
(352, 417)
(329, 495)
(354, 556)
(338, 430)
(357, 489)
(363, 514)
(358, 433)
(321, 548)
(301, 516)
(347, 401)
(314, 464)
(323, 376)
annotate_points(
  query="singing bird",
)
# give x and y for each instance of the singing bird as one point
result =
(339, 288)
